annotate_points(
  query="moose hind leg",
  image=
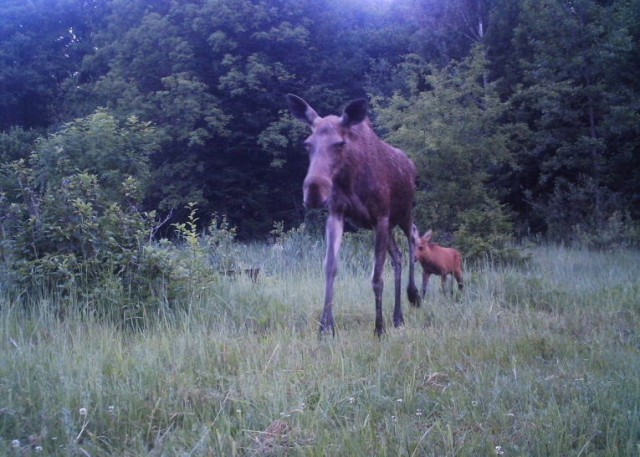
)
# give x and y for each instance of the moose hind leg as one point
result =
(382, 240)
(396, 260)
(412, 290)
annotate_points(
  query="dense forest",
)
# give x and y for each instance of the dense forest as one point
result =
(522, 116)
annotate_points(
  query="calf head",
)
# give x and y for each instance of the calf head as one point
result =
(421, 242)
(327, 146)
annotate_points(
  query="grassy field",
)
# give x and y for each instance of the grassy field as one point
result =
(540, 360)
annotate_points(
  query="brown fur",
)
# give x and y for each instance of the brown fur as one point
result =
(437, 260)
(358, 176)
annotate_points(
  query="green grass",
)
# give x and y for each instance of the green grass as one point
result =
(541, 360)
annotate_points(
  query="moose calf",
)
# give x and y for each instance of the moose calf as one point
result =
(436, 260)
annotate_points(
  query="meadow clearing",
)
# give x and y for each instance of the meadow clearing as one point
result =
(541, 359)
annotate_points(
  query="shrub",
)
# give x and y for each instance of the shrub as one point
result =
(69, 217)
(618, 231)
(199, 258)
(485, 233)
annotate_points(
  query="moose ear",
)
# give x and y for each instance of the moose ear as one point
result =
(301, 110)
(355, 112)
(427, 236)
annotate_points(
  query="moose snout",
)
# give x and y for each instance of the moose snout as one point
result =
(316, 191)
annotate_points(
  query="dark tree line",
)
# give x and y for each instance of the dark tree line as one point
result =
(524, 112)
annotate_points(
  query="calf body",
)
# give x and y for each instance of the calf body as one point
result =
(358, 176)
(437, 260)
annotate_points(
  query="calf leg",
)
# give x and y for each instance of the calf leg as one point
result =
(425, 282)
(458, 276)
(443, 284)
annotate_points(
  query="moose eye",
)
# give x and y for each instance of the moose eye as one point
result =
(339, 144)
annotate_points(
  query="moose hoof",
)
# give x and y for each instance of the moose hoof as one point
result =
(398, 321)
(414, 297)
(326, 330)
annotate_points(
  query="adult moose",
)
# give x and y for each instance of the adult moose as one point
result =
(358, 176)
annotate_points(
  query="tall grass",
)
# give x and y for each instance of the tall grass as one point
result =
(540, 360)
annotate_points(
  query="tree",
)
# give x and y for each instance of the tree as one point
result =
(454, 133)
(448, 29)
(212, 76)
(569, 85)
(41, 45)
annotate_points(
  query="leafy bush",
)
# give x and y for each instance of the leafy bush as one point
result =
(199, 258)
(451, 127)
(71, 228)
(618, 231)
(172, 275)
(293, 242)
(485, 232)
(69, 214)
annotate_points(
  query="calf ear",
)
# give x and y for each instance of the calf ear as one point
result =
(427, 236)
(355, 112)
(301, 110)
(415, 234)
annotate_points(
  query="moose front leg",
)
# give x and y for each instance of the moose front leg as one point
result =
(335, 227)
(382, 241)
(443, 284)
